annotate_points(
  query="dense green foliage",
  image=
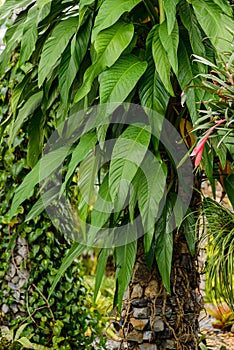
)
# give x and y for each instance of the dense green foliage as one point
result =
(74, 54)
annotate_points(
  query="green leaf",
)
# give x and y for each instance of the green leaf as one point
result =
(152, 92)
(117, 82)
(215, 23)
(125, 260)
(170, 44)
(170, 10)
(100, 270)
(229, 187)
(86, 144)
(189, 226)
(35, 137)
(109, 13)
(73, 253)
(55, 46)
(71, 60)
(28, 108)
(11, 5)
(164, 244)
(29, 35)
(128, 153)
(108, 47)
(151, 190)
(17, 92)
(161, 60)
(42, 203)
(48, 163)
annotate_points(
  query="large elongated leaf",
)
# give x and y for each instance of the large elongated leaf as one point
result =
(35, 137)
(117, 82)
(71, 60)
(29, 107)
(43, 169)
(29, 35)
(128, 153)
(55, 46)
(170, 9)
(11, 5)
(229, 186)
(109, 13)
(161, 60)
(151, 189)
(170, 43)
(74, 252)
(125, 259)
(108, 46)
(100, 270)
(214, 22)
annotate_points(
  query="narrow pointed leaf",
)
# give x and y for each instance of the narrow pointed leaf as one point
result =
(170, 43)
(100, 270)
(170, 9)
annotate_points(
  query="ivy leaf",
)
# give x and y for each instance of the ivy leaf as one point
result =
(161, 60)
(117, 82)
(55, 46)
(109, 13)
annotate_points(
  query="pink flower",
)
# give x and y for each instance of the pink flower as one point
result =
(198, 149)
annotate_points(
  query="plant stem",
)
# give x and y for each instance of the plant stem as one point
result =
(161, 11)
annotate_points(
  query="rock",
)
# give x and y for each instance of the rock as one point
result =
(141, 312)
(11, 271)
(139, 324)
(12, 286)
(141, 274)
(14, 308)
(125, 296)
(18, 260)
(16, 296)
(22, 282)
(170, 344)
(232, 329)
(15, 280)
(137, 291)
(5, 308)
(21, 241)
(158, 324)
(151, 290)
(148, 346)
(139, 302)
(23, 251)
(135, 336)
(148, 336)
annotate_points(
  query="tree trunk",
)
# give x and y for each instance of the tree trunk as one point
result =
(151, 319)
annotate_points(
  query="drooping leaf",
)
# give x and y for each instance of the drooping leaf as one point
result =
(161, 60)
(73, 253)
(35, 137)
(229, 187)
(170, 43)
(55, 46)
(17, 92)
(100, 270)
(43, 203)
(28, 108)
(214, 22)
(109, 13)
(128, 153)
(108, 46)
(125, 258)
(170, 9)
(71, 60)
(11, 5)
(117, 82)
(29, 37)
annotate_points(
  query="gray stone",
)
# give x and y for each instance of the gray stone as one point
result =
(137, 291)
(16, 296)
(148, 336)
(148, 346)
(142, 312)
(23, 251)
(18, 260)
(158, 324)
(15, 279)
(24, 273)
(12, 286)
(170, 344)
(139, 302)
(22, 282)
(5, 308)
(14, 308)
(12, 270)
(7, 278)
(21, 241)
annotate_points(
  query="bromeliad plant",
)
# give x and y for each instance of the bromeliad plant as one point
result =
(77, 54)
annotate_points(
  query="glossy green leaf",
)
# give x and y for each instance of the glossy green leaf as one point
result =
(170, 43)
(170, 10)
(109, 13)
(117, 82)
(42, 203)
(214, 22)
(55, 46)
(100, 270)
(28, 108)
(35, 137)
(229, 187)
(128, 153)
(108, 46)
(161, 60)
(11, 5)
